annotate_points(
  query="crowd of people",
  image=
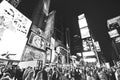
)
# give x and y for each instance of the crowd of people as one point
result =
(60, 73)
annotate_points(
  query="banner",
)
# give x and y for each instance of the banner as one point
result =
(117, 39)
(88, 53)
(113, 33)
(49, 28)
(13, 19)
(14, 27)
(89, 56)
(97, 46)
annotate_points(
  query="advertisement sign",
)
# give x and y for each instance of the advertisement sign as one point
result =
(82, 21)
(47, 44)
(36, 41)
(14, 20)
(27, 64)
(88, 53)
(90, 60)
(48, 55)
(117, 39)
(49, 28)
(97, 46)
(115, 20)
(107, 65)
(113, 33)
(87, 44)
(31, 54)
(52, 46)
(84, 32)
(11, 45)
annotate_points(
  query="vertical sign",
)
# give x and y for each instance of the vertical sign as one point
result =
(49, 28)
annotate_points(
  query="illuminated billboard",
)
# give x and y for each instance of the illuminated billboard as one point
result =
(90, 60)
(36, 41)
(97, 46)
(113, 33)
(11, 45)
(82, 21)
(84, 32)
(117, 39)
(14, 20)
(114, 22)
(87, 44)
(49, 28)
(31, 54)
(88, 53)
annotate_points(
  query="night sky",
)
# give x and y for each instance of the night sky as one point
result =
(97, 12)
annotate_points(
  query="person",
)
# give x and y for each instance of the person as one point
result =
(44, 72)
(2, 28)
(19, 73)
(50, 74)
(6, 76)
(30, 75)
(39, 76)
(27, 70)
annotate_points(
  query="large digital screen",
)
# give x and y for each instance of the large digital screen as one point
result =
(90, 60)
(14, 20)
(37, 41)
(113, 33)
(87, 44)
(97, 46)
(31, 54)
(82, 21)
(117, 39)
(88, 53)
(84, 32)
(11, 45)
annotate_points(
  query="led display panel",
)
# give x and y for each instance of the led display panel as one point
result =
(84, 32)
